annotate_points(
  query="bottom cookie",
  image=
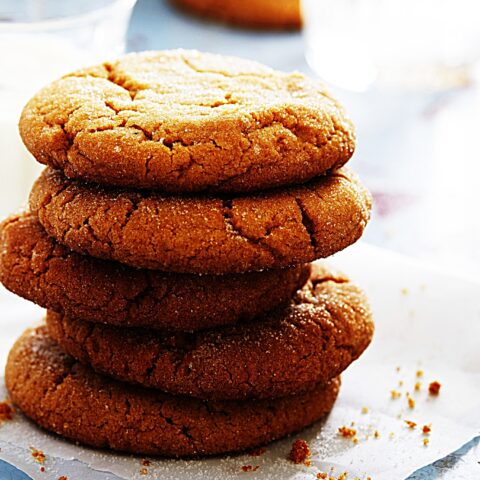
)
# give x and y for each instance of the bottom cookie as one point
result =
(70, 399)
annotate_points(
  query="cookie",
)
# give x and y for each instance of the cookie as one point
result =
(39, 269)
(209, 235)
(327, 326)
(185, 121)
(276, 14)
(71, 400)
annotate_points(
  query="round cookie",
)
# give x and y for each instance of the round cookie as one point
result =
(185, 121)
(282, 14)
(70, 399)
(204, 235)
(36, 267)
(327, 326)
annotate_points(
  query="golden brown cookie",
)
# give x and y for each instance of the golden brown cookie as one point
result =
(71, 400)
(39, 269)
(185, 121)
(277, 14)
(326, 327)
(209, 235)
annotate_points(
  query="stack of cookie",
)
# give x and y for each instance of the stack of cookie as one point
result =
(169, 239)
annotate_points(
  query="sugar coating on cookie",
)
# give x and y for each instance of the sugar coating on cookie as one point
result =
(326, 327)
(208, 235)
(249, 13)
(68, 398)
(185, 121)
(36, 267)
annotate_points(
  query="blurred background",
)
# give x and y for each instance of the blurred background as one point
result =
(407, 72)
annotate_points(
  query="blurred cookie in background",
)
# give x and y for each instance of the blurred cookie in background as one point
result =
(274, 14)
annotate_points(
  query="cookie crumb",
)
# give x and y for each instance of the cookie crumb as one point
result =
(322, 475)
(376, 434)
(347, 432)
(38, 455)
(434, 388)
(258, 452)
(6, 411)
(411, 402)
(419, 373)
(250, 468)
(145, 462)
(426, 429)
(397, 369)
(410, 424)
(426, 441)
(400, 383)
(300, 452)
(395, 394)
(42, 469)
(143, 471)
(364, 410)
(63, 477)
(417, 386)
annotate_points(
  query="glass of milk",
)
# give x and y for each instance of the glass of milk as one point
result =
(40, 40)
(416, 45)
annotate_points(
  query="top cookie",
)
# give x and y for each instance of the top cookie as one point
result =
(185, 121)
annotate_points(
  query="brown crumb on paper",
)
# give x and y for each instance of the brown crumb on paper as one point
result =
(38, 455)
(300, 452)
(410, 424)
(426, 429)
(419, 373)
(395, 394)
(143, 471)
(434, 388)
(145, 462)
(250, 468)
(347, 432)
(426, 441)
(322, 475)
(411, 401)
(417, 386)
(63, 477)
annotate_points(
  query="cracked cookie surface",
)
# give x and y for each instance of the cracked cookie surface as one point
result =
(69, 399)
(284, 14)
(326, 327)
(204, 235)
(36, 267)
(185, 121)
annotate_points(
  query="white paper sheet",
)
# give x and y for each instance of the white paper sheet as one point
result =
(425, 320)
